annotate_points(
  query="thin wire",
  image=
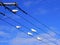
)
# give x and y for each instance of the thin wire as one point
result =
(27, 28)
(27, 20)
(2, 14)
(36, 20)
(20, 30)
(48, 39)
(31, 17)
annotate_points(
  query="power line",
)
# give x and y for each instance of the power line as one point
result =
(2, 14)
(26, 20)
(27, 28)
(36, 20)
(18, 29)
(31, 17)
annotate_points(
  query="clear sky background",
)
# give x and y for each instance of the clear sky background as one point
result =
(46, 11)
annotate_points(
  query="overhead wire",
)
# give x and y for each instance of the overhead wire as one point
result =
(25, 19)
(36, 20)
(18, 29)
(24, 26)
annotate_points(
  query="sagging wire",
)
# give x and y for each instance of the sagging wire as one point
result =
(26, 28)
(18, 29)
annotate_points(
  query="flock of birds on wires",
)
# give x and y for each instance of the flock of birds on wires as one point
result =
(14, 11)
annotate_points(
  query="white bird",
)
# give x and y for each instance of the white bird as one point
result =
(14, 10)
(33, 30)
(18, 27)
(29, 33)
(39, 38)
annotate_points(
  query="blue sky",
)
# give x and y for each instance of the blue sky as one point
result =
(46, 11)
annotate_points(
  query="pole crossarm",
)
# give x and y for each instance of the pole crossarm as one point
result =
(9, 4)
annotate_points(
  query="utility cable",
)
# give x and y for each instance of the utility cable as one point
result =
(20, 30)
(24, 26)
(36, 20)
